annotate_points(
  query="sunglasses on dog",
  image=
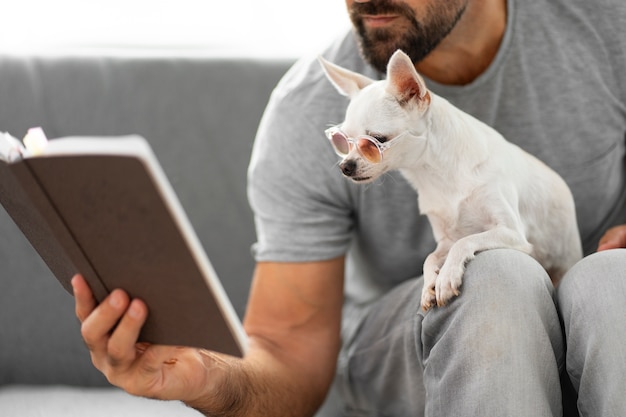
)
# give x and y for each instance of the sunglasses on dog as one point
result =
(368, 146)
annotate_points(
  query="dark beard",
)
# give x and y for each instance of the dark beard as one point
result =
(417, 40)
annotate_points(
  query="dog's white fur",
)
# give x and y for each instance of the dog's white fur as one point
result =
(478, 190)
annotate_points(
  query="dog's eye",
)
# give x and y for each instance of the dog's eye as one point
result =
(380, 138)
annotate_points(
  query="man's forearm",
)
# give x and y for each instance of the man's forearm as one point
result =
(293, 321)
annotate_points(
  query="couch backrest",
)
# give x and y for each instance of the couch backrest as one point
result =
(200, 116)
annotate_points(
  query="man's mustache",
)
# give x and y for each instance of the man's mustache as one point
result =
(380, 8)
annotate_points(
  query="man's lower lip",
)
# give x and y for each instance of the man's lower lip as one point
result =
(378, 21)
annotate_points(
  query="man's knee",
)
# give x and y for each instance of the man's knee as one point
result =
(593, 282)
(506, 274)
(503, 289)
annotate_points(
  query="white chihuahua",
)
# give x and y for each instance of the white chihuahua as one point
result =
(479, 191)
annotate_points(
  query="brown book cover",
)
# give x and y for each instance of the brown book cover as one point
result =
(104, 208)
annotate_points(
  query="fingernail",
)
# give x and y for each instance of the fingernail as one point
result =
(135, 310)
(115, 299)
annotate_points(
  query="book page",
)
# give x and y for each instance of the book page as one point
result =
(11, 149)
(131, 145)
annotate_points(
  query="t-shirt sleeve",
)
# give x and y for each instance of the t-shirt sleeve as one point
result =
(302, 205)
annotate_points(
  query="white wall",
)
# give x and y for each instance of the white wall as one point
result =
(221, 27)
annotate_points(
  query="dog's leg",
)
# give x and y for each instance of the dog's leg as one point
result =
(450, 277)
(432, 266)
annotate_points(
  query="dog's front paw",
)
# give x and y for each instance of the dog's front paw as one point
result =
(448, 283)
(429, 298)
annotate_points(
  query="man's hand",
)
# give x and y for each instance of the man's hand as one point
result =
(110, 331)
(614, 238)
(293, 323)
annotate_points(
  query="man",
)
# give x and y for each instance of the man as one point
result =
(549, 76)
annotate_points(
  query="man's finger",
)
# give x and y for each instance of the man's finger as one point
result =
(97, 327)
(613, 238)
(84, 299)
(122, 344)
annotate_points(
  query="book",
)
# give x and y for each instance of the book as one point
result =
(103, 207)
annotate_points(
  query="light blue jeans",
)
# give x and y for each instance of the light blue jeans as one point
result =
(499, 349)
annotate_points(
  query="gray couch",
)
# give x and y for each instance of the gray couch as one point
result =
(200, 115)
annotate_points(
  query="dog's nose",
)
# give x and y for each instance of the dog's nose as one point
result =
(348, 167)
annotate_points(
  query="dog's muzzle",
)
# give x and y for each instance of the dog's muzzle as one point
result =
(348, 167)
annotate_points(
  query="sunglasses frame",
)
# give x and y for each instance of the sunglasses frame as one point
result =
(332, 132)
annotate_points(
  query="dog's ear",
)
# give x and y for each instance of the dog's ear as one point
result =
(405, 83)
(347, 82)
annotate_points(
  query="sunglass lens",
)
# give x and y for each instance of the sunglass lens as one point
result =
(369, 150)
(340, 142)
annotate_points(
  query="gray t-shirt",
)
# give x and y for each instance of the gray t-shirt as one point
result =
(557, 88)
